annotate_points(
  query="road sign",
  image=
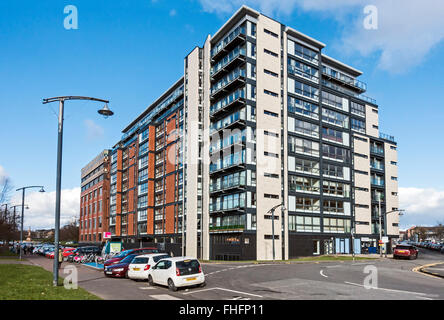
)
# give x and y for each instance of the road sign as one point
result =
(385, 239)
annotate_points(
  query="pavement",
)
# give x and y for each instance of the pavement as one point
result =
(383, 278)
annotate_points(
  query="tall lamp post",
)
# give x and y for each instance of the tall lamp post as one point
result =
(272, 223)
(106, 112)
(13, 218)
(400, 212)
(23, 211)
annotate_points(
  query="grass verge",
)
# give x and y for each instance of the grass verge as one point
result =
(24, 282)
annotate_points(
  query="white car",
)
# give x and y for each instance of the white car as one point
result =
(139, 267)
(177, 272)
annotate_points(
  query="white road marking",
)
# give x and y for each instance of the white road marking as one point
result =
(163, 297)
(147, 288)
(322, 274)
(392, 290)
(223, 289)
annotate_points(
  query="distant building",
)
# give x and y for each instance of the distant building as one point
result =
(94, 205)
(419, 233)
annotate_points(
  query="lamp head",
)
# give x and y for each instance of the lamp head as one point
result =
(105, 111)
(42, 190)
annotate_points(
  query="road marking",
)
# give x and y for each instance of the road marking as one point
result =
(223, 289)
(392, 290)
(147, 288)
(322, 274)
(164, 297)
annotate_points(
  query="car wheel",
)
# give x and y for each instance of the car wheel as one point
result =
(203, 284)
(126, 274)
(171, 285)
(150, 280)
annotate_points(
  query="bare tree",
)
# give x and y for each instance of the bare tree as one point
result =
(70, 231)
(422, 233)
(439, 231)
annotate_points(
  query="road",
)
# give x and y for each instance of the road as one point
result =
(391, 280)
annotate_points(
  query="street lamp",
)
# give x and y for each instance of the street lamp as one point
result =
(23, 211)
(272, 223)
(106, 112)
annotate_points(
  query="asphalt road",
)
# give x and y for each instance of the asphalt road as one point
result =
(390, 279)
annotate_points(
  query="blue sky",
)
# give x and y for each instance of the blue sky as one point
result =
(130, 51)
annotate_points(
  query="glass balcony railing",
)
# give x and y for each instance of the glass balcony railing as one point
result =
(236, 181)
(229, 99)
(237, 52)
(377, 182)
(225, 41)
(344, 78)
(377, 166)
(225, 228)
(226, 206)
(376, 150)
(226, 80)
(386, 137)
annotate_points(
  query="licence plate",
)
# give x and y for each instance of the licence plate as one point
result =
(136, 269)
(109, 272)
(191, 279)
(402, 251)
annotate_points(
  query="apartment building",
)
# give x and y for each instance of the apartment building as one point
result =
(94, 199)
(261, 117)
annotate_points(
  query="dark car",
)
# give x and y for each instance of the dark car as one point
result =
(116, 259)
(120, 270)
(84, 251)
(405, 251)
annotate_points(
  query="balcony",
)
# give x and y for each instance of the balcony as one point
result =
(228, 83)
(344, 79)
(236, 37)
(387, 137)
(377, 150)
(214, 170)
(377, 166)
(234, 99)
(225, 186)
(221, 229)
(233, 59)
(377, 182)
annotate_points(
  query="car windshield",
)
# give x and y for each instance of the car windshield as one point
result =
(129, 258)
(188, 266)
(140, 261)
(123, 254)
(404, 247)
(157, 258)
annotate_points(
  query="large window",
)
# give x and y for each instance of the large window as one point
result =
(357, 108)
(304, 204)
(301, 69)
(302, 165)
(303, 146)
(335, 207)
(336, 189)
(303, 89)
(303, 184)
(335, 118)
(303, 127)
(296, 49)
(333, 225)
(307, 109)
(335, 153)
(332, 99)
(332, 170)
(332, 135)
(304, 224)
(358, 125)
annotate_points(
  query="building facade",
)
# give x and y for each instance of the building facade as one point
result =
(261, 117)
(94, 199)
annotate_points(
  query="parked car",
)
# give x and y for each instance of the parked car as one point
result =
(122, 255)
(177, 272)
(139, 267)
(120, 270)
(405, 251)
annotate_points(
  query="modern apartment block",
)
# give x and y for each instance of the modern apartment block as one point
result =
(261, 117)
(94, 199)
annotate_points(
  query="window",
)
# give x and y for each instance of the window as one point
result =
(304, 224)
(332, 135)
(393, 147)
(304, 204)
(271, 33)
(375, 127)
(271, 196)
(270, 93)
(335, 118)
(269, 113)
(303, 70)
(302, 184)
(271, 53)
(361, 155)
(303, 127)
(298, 145)
(303, 52)
(375, 110)
(303, 89)
(361, 172)
(334, 207)
(357, 125)
(332, 99)
(271, 175)
(336, 189)
(335, 153)
(307, 109)
(394, 163)
(271, 73)
(333, 225)
(395, 178)
(270, 154)
(272, 134)
(332, 170)
(357, 109)
(305, 166)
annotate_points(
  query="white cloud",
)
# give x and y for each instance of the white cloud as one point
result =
(173, 12)
(41, 212)
(407, 30)
(423, 206)
(93, 130)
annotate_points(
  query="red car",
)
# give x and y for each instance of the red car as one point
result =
(120, 269)
(122, 255)
(405, 251)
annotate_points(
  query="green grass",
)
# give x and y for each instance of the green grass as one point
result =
(7, 253)
(303, 259)
(24, 282)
